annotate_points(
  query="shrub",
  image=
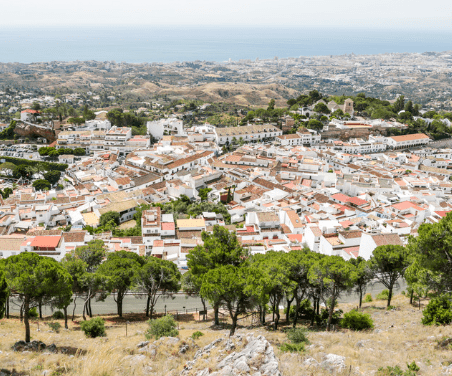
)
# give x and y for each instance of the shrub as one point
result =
(413, 366)
(55, 326)
(162, 327)
(322, 319)
(33, 312)
(384, 295)
(304, 309)
(438, 311)
(297, 335)
(292, 347)
(197, 334)
(368, 298)
(94, 328)
(58, 315)
(357, 320)
(397, 371)
(390, 307)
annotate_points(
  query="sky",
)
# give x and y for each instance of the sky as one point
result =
(405, 14)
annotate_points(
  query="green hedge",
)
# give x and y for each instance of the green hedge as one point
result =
(48, 166)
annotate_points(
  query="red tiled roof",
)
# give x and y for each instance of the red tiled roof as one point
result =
(168, 226)
(295, 237)
(45, 241)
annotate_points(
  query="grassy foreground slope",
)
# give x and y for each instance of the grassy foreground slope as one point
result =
(397, 339)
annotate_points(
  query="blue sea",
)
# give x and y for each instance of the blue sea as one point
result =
(138, 44)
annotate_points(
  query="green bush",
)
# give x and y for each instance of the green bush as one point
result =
(297, 335)
(94, 328)
(48, 166)
(33, 312)
(55, 326)
(357, 320)
(197, 334)
(397, 371)
(413, 366)
(368, 298)
(162, 327)
(438, 311)
(305, 308)
(384, 295)
(292, 347)
(58, 315)
(322, 319)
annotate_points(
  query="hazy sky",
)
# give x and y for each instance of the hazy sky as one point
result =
(433, 14)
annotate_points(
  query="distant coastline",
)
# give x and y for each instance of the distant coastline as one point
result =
(166, 45)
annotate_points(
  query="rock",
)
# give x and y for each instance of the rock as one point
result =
(258, 353)
(241, 366)
(229, 345)
(142, 344)
(19, 346)
(333, 362)
(135, 358)
(4, 372)
(361, 344)
(52, 348)
(35, 130)
(169, 340)
(445, 343)
(183, 349)
(212, 345)
(204, 372)
(310, 362)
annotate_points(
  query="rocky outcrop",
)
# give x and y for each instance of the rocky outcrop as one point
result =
(256, 358)
(32, 130)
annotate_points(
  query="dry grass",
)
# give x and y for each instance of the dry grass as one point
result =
(402, 339)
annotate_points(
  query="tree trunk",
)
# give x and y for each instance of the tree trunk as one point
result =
(289, 302)
(330, 315)
(7, 307)
(119, 305)
(318, 306)
(65, 317)
(234, 324)
(273, 309)
(216, 309)
(360, 297)
(277, 316)
(411, 296)
(89, 308)
(26, 307)
(21, 314)
(73, 311)
(297, 308)
(40, 309)
(389, 297)
(147, 307)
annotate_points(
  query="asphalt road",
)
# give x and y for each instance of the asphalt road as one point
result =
(179, 303)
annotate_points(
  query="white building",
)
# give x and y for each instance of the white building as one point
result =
(248, 133)
(171, 126)
(408, 140)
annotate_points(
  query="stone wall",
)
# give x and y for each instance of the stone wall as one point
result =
(30, 130)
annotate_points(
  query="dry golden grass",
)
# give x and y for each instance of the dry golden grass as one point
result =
(402, 339)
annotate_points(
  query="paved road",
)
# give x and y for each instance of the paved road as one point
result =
(131, 304)
(136, 305)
